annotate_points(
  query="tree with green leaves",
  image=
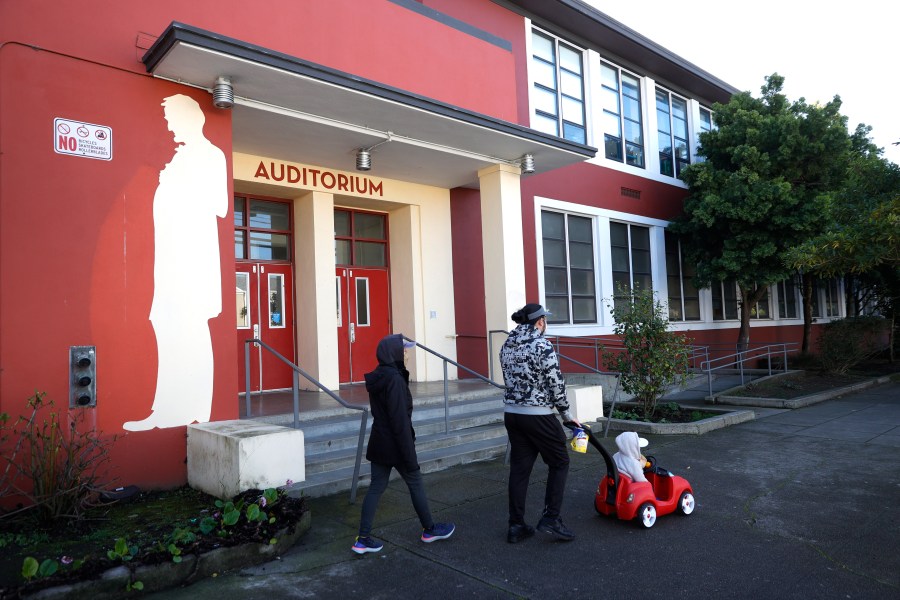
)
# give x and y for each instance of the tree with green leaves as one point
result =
(771, 167)
(861, 239)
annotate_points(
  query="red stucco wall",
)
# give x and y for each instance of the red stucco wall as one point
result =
(76, 235)
(76, 244)
(374, 39)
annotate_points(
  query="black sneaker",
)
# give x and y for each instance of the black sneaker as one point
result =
(554, 526)
(519, 532)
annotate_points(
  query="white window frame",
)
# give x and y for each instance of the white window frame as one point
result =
(603, 283)
(601, 109)
(670, 96)
(598, 305)
(681, 280)
(585, 100)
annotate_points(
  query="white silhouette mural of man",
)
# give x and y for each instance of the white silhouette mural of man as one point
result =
(192, 193)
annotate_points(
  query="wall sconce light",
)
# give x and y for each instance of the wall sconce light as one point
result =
(527, 164)
(363, 160)
(364, 155)
(223, 93)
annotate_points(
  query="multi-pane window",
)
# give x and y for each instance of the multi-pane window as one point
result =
(672, 126)
(568, 247)
(623, 136)
(360, 239)
(832, 298)
(706, 121)
(706, 124)
(558, 94)
(684, 299)
(262, 229)
(761, 310)
(787, 299)
(631, 263)
(725, 300)
(825, 299)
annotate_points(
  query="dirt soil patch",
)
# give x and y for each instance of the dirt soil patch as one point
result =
(795, 385)
(805, 383)
(149, 522)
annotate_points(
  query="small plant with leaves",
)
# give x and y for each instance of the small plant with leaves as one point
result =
(229, 513)
(32, 569)
(180, 537)
(52, 464)
(654, 357)
(122, 551)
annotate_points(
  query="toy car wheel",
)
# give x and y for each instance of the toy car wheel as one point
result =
(647, 515)
(686, 503)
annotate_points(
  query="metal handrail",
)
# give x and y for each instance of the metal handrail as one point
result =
(296, 391)
(743, 356)
(446, 391)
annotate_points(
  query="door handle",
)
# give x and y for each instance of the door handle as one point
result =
(352, 333)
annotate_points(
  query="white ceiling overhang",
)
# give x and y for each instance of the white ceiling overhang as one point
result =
(298, 111)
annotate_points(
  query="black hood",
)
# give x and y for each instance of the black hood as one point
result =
(390, 350)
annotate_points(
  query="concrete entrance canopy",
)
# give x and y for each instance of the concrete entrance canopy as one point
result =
(281, 100)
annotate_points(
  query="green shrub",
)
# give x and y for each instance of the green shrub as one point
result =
(847, 342)
(654, 357)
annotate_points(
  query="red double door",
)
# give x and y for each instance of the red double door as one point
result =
(363, 313)
(265, 311)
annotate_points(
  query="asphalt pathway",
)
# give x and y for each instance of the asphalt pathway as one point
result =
(795, 504)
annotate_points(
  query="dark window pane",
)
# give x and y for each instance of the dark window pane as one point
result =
(581, 256)
(369, 254)
(239, 250)
(585, 310)
(640, 237)
(573, 133)
(368, 226)
(270, 215)
(342, 223)
(613, 148)
(362, 302)
(239, 211)
(582, 282)
(269, 246)
(342, 252)
(559, 306)
(555, 281)
(554, 253)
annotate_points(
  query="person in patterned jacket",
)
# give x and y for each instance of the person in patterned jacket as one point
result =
(534, 387)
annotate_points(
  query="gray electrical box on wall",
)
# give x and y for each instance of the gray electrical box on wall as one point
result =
(82, 376)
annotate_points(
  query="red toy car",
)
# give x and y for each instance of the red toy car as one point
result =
(662, 494)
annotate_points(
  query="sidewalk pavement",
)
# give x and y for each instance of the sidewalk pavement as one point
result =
(795, 504)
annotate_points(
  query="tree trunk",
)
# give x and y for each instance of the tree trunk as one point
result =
(806, 289)
(743, 341)
(749, 298)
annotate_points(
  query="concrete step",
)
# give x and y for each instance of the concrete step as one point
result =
(470, 429)
(339, 438)
(339, 480)
(338, 459)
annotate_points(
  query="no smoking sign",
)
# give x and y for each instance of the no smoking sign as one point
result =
(82, 139)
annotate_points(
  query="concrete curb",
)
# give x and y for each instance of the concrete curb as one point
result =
(112, 584)
(726, 418)
(800, 402)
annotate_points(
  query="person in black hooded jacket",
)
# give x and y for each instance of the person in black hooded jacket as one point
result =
(392, 444)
